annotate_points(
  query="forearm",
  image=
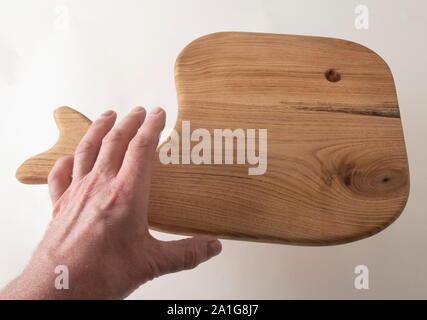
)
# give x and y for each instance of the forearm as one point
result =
(34, 287)
(25, 287)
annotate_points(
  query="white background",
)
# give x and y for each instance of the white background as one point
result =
(94, 55)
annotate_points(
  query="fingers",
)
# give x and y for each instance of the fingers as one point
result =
(185, 254)
(60, 177)
(116, 142)
(88, 148)
(139, 158)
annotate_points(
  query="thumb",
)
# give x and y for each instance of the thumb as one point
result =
(185, 254)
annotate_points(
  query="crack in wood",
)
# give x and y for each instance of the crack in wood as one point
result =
(385, 112)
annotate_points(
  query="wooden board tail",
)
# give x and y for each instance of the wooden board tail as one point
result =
(72, 126)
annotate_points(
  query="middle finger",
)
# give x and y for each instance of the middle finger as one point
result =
(116, 142)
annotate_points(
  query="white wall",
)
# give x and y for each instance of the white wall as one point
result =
(118, 54)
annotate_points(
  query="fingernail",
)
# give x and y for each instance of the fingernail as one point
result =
(156, 110)
(214, 247)
(107, 113)
(137, 109)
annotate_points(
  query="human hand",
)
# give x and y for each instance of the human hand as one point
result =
(99, 229)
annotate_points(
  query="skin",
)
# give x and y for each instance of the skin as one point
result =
(99, 229)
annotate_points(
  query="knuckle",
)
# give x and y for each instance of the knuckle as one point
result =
(56, 209)
(52, 176)
(97, 123)
(131, 165)
(122, 191)
(154, 270)
(88, 186)
(115, 196)
(114, 136)
(84, 147)
(55, 172)
(144, 141)
(190, 258)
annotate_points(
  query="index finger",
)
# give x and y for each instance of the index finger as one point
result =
(137, 166)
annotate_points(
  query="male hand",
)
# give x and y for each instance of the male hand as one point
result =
(99, 229)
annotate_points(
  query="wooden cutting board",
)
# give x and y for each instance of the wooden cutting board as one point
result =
(337, 169)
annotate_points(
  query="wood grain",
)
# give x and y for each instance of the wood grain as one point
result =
(337, 166)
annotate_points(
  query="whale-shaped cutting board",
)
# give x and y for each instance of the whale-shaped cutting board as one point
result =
(337, 169)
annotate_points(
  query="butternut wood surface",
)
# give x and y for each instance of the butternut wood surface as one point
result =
(337, 166)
